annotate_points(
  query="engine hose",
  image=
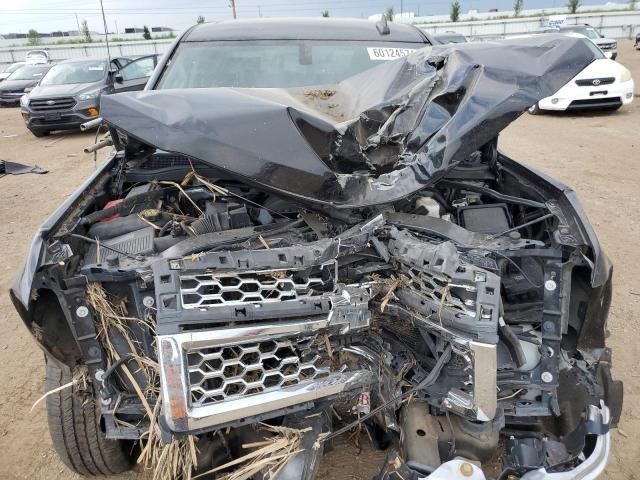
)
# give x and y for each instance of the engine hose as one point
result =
(510, 339)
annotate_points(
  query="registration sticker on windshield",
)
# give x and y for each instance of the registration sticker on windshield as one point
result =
(388, 53)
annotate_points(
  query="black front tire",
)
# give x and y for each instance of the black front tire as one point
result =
(74, 425)
(40, 133)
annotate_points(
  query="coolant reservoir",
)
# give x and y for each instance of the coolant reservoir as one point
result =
(430, 205)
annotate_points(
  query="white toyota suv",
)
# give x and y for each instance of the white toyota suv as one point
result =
(604, 84)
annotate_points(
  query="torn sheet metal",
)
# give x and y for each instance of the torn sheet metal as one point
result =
(13, 168)
(371, 139)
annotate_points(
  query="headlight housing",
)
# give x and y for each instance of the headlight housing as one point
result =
(24, 101)
(625, 76)
(88, 96)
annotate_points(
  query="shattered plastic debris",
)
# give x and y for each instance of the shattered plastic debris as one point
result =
(13, 168)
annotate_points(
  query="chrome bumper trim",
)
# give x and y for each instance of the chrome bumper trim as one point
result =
(181, 416)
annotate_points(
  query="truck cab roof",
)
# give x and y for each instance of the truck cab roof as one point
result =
(305, 29)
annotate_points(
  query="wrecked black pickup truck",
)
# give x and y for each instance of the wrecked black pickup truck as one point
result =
(255, 271)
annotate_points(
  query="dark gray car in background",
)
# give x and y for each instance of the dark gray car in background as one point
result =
(69, 95)
(20, 82)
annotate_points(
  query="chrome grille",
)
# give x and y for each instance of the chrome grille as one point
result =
(50, 104)
(595, 82)
(224, 373)
(208, 290)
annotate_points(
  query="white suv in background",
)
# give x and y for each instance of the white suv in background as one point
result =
(604, 84)
(608, 46)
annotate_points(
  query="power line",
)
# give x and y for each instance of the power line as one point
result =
(304, 6)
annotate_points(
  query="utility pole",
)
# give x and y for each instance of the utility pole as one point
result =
(233, 7)
(78, 24)
(401, 7)
(106, 34)
(260, 10)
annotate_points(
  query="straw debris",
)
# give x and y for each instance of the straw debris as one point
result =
(270, 456)
(167, 461)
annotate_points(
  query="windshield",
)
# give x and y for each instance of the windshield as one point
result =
(597, 53)
(13, 67)
(76, 72)
(28, 73)
(274, 64)
(451, 38)
(586, 31)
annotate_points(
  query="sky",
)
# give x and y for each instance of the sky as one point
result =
(50, 15)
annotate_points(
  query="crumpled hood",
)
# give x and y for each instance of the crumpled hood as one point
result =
(371, 139)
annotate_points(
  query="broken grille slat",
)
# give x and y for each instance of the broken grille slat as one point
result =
(203, 291)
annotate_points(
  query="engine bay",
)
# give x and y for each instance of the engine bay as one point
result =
(442, 323)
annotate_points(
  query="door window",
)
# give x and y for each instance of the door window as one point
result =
(140, 68)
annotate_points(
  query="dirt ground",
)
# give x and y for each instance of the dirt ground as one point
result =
(596, 153)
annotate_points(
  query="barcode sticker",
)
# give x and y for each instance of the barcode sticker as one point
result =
(388, 53)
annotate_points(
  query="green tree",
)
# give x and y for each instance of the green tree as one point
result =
(573, 5)
(390, 13)
(200, 19)
(632, 4)
(325, 14)
(517, 8)
(455, 11)
(86, 34)
(33, 38)
(146, 34)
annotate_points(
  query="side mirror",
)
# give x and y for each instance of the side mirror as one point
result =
(601, 36)
(28, 89)
(118, 78)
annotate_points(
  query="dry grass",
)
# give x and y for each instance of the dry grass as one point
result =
(269, 457)
(167, 461)
(177, 459)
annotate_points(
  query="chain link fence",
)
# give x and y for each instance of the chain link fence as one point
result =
(610, 24)
(91, 50)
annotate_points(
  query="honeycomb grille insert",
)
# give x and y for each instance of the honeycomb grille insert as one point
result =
(202, 291)
(224, 373)
(459, 298)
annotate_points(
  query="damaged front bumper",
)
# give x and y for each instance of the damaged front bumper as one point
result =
(598, 421)
(235, 359)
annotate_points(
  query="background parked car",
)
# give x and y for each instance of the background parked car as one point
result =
(10, 69)
(608, 45)
(450, 37)
(603, 84)
(69, 95)
(36, 57)
(637, 44)
(20, 82)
